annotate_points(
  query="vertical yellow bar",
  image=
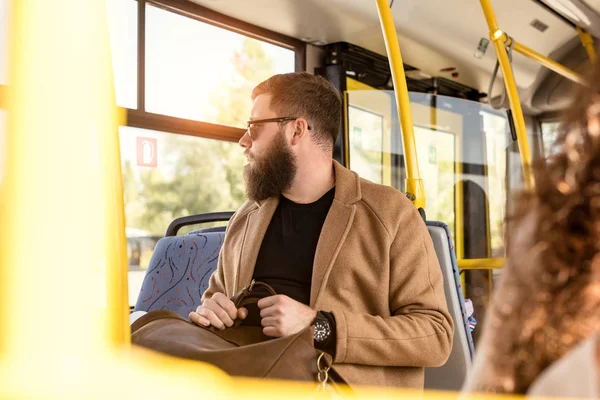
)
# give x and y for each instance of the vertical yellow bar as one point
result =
(346, 131)
(588, 42)
(3, 96)
(62, 211)
(414, 184)
(459, 198)
(499, 37)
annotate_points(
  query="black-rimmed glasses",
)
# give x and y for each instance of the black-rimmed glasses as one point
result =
(255, 123)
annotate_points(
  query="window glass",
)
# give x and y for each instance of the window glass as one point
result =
(549, 135)
(201, 72)
(457, 141)
(436, 152)
(166, 176)
(496, 131)
(366, 146)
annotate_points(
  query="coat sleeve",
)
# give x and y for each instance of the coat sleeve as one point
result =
(419, 331)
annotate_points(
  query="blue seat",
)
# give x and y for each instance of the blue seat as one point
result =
(451, 375)
(181, 266)
(179, 272)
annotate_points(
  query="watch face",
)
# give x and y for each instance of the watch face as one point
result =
(322, 331)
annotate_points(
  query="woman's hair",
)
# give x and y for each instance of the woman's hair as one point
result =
(549, 297)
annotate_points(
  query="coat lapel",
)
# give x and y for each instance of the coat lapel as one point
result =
(335, 229)
(256, 227)
(334, 232)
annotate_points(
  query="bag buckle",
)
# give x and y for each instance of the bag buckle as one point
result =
(322, 374)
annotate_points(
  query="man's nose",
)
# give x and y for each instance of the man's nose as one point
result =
(245, 140)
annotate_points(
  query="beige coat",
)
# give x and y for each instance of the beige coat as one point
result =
(375, 268)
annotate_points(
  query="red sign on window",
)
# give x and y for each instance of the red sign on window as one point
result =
(147, 152)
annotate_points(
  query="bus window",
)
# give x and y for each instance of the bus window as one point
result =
(464, 151)
(497, 141)
(436, 151)
(549, 135)
(370, 132)
(201, 72)
(166, 176)
(193, 70)
(366, 129)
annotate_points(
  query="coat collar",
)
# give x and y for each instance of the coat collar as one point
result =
(333, 234)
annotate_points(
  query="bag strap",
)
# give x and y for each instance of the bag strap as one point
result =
(249, 294)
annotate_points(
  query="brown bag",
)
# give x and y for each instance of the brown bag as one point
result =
(242, 350)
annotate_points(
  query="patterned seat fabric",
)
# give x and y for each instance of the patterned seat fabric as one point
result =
(179, 271)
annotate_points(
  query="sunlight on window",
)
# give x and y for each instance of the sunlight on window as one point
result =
(167, 176)
(366, 143)
(201, 72)
(496, 136)
(436, 152)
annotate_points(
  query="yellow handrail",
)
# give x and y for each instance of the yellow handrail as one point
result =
(588, 42)
(498, 37)
(548, 63)
(414, 185)
(481, 263)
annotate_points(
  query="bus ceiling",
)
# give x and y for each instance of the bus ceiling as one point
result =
(433, 42)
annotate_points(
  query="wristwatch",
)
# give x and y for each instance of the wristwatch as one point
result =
(322, 328)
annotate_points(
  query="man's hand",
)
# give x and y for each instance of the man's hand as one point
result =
(283, 316)
(218, 311)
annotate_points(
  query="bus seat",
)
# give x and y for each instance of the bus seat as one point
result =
(181, 267)
(179, 271)
(451, 375)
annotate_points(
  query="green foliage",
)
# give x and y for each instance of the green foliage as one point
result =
(199, 175)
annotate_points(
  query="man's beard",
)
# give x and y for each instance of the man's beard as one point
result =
(272, 173)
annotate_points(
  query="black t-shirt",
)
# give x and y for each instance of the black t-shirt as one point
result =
(287, 253)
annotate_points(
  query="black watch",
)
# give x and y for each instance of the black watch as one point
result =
(322, 328)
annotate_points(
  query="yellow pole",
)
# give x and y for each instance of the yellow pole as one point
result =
(588, 42)
(550, 64)
(62, 207)
(3, 96)
(414, 184)
(498, 37)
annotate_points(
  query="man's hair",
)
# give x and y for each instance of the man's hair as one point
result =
(312, 97)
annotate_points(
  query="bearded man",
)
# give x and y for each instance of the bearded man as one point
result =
(351, 257)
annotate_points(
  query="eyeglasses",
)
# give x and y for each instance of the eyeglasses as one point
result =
(253, 125)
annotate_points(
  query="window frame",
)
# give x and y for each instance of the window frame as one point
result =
(140, 118)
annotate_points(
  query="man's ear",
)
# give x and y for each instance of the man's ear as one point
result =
(300, 128)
